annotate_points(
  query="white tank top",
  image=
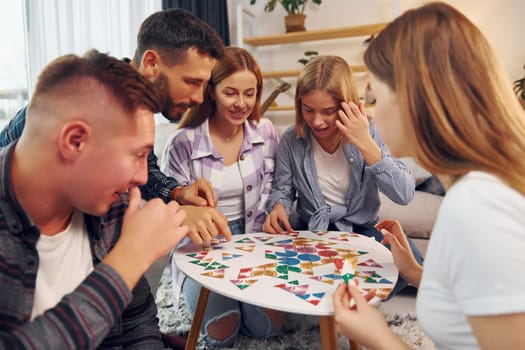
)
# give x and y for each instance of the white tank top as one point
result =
(231, 195)
(65, 260)
(333, 171)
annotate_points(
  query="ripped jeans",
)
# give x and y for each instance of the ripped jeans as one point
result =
(252, 321)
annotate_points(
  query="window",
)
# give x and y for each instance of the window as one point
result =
(13, 61)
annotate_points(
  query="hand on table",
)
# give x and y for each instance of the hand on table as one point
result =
(204, 223)
(362, 322)
(148, 233)
(199, 193)
(404, 259)
(276, 220)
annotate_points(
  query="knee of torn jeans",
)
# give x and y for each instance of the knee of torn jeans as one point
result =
(223, 330)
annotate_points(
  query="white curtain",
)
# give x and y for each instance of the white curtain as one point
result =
(58, 27)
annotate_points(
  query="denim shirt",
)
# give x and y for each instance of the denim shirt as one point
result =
(296, 177)
(158, 185)
(100, 313)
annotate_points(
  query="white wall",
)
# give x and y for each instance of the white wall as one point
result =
(501, 22)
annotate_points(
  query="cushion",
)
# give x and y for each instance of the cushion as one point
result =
(417, 218)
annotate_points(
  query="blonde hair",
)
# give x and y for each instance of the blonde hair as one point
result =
(235, 60)
(329, 74)
(459, 108)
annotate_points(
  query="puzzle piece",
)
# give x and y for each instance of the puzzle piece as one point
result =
(293, 287)
(215, 265)
(245, 240)
(248, 248)
(381, 293)
(202, 262)
(270, 254)
(243, 283)
(229, 256)
(216, 241)
(265, 270)
(215, 274)
(314, 298)
(370, 263)
(198, 256)
(301, 291)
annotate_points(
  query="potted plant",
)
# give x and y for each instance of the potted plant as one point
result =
(519, 89)
(294, 21)
(308, 55)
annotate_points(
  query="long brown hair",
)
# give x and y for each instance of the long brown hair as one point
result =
(235, 60)
(329, 74)
(459, 108)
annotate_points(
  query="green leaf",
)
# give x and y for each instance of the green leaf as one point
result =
(311, 53)
(290, 6)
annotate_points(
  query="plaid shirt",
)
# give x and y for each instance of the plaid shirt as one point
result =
(13, 130)
(101, 312)
(158, 185)
(190, 155)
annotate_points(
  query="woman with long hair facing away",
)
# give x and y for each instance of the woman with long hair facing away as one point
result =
(225, 141)
(443, 99)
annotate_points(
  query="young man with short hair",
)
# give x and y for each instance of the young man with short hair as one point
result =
(74, 241)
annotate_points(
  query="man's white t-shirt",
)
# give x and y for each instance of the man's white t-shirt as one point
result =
(65, 260)
(475, 261)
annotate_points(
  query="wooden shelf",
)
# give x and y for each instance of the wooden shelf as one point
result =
(281, 108)
(290, 73)
(312, 35)
(292, 108)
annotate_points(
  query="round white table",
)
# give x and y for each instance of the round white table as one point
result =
(295, 273)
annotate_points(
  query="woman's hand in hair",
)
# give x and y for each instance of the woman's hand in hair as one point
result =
(354, 126)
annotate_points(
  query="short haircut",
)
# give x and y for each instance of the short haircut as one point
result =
(235, 60)
(68, 73)
(172, 32)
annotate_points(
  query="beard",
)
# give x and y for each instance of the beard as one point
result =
(169, 107)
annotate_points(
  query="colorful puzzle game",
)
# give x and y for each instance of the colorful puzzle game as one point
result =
(295, 272)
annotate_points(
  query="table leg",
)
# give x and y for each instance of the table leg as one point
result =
(328, 334)
(193, 337)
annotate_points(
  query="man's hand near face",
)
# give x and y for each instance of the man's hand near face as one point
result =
(148, 233)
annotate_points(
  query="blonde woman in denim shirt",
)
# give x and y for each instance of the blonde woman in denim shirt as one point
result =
(225, 141)
(333, 161)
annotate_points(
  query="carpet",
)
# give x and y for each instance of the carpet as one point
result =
(299, 331)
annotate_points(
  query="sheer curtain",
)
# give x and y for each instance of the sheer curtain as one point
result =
(58, 27)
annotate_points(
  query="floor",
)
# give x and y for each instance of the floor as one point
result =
(404, 302)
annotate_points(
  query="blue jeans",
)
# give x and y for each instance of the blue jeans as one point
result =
(252, 320)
